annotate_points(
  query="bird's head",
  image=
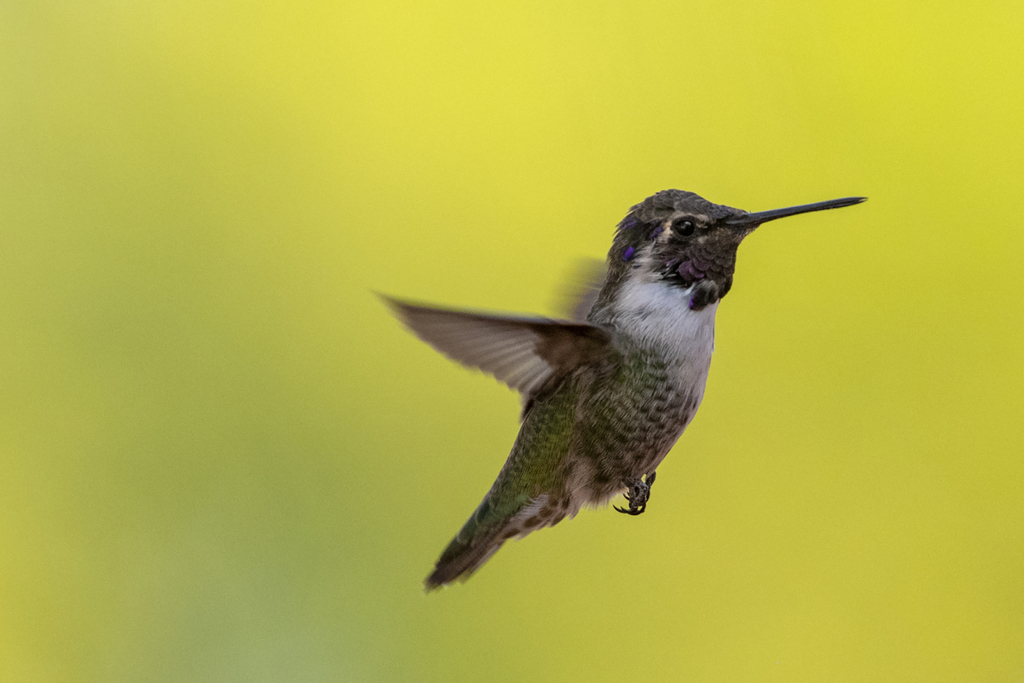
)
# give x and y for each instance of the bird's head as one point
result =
(685, 241)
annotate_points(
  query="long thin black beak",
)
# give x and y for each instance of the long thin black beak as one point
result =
(751, 220)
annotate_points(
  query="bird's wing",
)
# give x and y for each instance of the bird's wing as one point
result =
(580, 288)
(531, 355)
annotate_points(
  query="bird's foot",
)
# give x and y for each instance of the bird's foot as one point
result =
(638, 494)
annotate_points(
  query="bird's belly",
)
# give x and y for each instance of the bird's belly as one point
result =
(630, 426)
(630, 418)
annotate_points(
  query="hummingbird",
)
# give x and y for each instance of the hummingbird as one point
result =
(607, 395)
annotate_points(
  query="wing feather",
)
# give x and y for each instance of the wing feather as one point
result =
(531, 355)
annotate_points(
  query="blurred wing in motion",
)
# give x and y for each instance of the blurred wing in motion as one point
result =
(580, 287)
(531, 355)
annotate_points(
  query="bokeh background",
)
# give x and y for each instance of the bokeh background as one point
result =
(222, 460)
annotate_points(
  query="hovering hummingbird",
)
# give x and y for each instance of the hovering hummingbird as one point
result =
(605, 397)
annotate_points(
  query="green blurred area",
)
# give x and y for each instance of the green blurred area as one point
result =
(222, 460)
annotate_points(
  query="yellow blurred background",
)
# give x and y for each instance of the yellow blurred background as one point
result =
(222, 460)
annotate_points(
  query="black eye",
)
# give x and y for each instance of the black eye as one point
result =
(683, 227)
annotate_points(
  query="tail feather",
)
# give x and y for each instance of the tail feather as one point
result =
(482, 535)
(460, 559)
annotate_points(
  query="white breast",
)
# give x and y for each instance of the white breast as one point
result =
(657, 315)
